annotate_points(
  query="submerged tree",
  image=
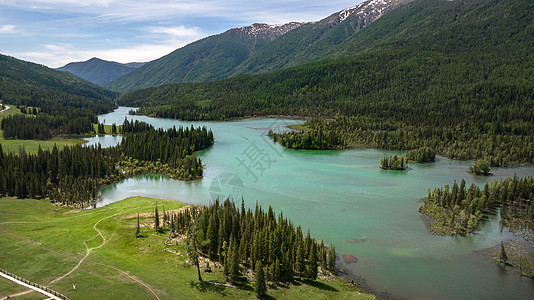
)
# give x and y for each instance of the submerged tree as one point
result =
(503, 256)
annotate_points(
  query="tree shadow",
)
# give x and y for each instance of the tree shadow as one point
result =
(320, 285)
(205, 287)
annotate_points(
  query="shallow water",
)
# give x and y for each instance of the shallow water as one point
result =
(345, 199)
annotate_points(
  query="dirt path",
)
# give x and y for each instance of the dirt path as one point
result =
(5, 109)
(50, 295)
(88, 251)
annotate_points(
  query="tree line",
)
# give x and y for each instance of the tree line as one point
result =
(240, 239)
(312, 140)
(461, 103)
(43, 127)
(73, 175)
(457, 209)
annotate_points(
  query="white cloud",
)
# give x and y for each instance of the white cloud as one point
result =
(4, 29)
(57, 55)
(178, 32)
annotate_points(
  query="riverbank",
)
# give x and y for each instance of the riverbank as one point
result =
(43, 242)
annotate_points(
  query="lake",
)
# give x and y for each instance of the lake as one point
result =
(346, 200)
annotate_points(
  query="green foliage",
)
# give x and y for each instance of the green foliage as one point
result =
(454, 82)
(73, 175)
(457, 210)
(247, 238)
(211, 58)
(394, 163)
(314, 140)
(121, 267)
(481, 167)
(423, 154)
(260, 287)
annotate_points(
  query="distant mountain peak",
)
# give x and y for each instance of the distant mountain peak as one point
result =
(371, 9)
(262, 28)
(99, 71)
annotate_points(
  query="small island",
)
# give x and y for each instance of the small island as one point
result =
(396, 163)
(481, 167)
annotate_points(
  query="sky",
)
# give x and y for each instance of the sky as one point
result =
(56, 32)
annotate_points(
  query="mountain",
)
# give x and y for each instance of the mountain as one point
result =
(315, 41)
(29, 84)
(99, 71)
(453, 52)
(211, 58)
(454, 76)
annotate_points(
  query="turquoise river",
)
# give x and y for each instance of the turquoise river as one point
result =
(344, 199)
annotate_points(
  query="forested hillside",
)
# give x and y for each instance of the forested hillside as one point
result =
(318, 40)
(63, 102)
(467, 93)
(99, 71)
(211, 58)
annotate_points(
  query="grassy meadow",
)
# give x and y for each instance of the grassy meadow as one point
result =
(44, 243)
(31, 146)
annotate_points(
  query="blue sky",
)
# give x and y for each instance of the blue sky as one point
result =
(56, 32)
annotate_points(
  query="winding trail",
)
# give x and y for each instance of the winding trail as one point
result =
(88, 251)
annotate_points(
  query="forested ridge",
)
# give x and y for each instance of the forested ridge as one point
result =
(62, 102)
(466, 94)
(239, 239)
(457, 209)
(73, 175)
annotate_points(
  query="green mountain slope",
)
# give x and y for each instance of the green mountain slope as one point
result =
(314, 41)
(454, 75)
(99, 71)
(211, 58)
(55, 92)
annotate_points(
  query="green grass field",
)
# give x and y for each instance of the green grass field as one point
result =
(42, 242)
(31, 146)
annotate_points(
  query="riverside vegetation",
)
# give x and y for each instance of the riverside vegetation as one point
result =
(457, 209)
(452, 83)
(73, 175)
(121, 265)
(243, 241)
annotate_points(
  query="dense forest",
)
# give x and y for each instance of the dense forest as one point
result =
(60, 102)
(239, 239)
(423, 154)
(461, 84)
(313, 140)
(73, 175)
(457, 209)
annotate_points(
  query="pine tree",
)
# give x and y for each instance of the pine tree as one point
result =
(260, 286)
(156, 218)
(332, 259)
(300, 266)
(138, 230)
(312, 268)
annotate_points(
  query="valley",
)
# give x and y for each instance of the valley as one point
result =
(384, 151)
